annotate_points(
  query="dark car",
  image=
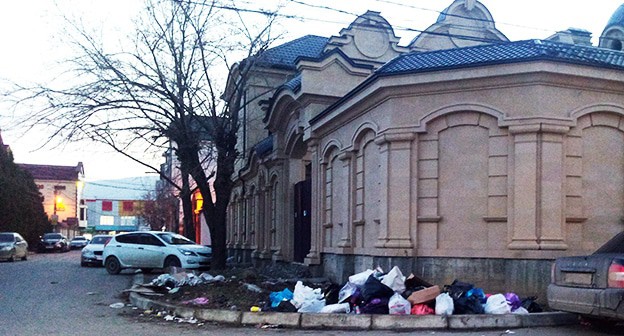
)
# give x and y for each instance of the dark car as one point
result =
(53, 242)
(593, 285)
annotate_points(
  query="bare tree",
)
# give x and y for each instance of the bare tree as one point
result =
(163, 87)
(160, 210)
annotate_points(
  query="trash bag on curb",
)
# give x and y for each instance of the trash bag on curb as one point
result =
(458, 289)
(307, 299)
(347, 291)
(360, 278)
(375, 306)
(277, 297)
(285, 307)
(497, 304)
(373, 288)
(395, 280)
(531, 305)
(513, 300)
(331, 294)
(338, 308)
(444, 304)
(422, 309)
(397, 305)
(467, 305)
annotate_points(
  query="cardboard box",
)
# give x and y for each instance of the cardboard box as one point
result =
(424, 295)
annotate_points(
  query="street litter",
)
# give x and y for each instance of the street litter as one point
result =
(197, 301)
(117, 305)
(253, 288)
(374, 292)
(178, 278)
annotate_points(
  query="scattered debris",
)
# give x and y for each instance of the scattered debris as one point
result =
(197, 301)
(117, 305)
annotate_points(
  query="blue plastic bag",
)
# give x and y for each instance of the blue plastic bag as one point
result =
(277, 297)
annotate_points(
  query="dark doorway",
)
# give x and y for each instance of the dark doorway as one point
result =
(303, 205)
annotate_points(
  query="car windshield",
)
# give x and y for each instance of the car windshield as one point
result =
(6, 238)
(52, 236)
(79, 238)
(174, 239)
(100, 240)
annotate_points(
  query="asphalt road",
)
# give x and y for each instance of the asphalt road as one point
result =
(50, 294)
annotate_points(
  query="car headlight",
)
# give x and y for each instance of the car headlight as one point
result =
(87, 253)
(187, 252)
(5, 248)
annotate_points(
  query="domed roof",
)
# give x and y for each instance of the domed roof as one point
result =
(617, 19)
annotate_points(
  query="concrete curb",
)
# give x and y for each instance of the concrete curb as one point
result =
(356, 322)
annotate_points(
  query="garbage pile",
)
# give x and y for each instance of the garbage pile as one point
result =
(376, 292)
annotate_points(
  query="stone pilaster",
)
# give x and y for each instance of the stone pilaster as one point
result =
(347, 216)
(395, 176)
(525, 207)
(538, 187)
(314, 256)
(552, 193)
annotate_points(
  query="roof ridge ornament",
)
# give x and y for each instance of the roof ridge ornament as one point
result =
(469, 4)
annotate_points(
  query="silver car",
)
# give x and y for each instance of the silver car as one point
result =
(92, 253)
(13, 246)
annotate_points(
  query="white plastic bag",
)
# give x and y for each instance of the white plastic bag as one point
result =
(337, 308)
(520, 311)
(444, 304)
(497, 304)
(360, 278)
(312, 306)
(306, 299)
(398, 305)
(346, 291)
(395, 280)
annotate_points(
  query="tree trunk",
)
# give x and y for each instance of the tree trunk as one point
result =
(187, 205)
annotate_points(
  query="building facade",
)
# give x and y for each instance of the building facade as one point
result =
(462, 155)
(115, 206)
(61, 190)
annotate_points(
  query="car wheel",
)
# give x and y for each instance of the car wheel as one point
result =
(83, 264)
(12, 257)
(25, 257)
(172, 261)
(113, 266)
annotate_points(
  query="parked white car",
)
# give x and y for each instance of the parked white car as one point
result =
(13, 246)
(92, 253)
(153, 249)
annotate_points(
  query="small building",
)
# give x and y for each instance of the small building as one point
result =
(115, 205)
(61, 189)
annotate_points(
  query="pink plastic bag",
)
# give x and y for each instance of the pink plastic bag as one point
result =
(422, 309)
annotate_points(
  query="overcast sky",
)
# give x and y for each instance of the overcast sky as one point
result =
(32, 44)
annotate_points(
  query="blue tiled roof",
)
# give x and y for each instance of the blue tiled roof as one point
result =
(506, 52)
(490, 54)
(294, 84)
(617, 19)
(285, 55)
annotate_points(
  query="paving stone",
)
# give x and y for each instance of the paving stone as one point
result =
(291, 320)
(484, 321)
(409, 322)
(217, 315)
(336, 321)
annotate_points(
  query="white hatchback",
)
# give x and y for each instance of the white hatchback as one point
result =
(153, 249)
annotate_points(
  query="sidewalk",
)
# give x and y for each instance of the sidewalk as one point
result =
(355, 322)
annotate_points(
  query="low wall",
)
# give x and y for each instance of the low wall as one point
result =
(520, 276)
